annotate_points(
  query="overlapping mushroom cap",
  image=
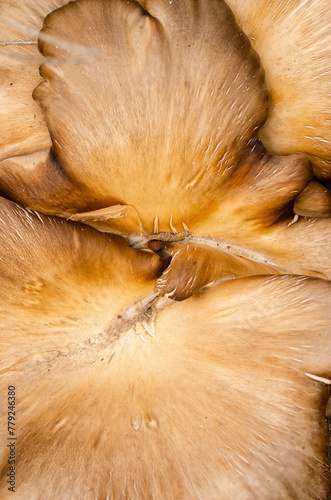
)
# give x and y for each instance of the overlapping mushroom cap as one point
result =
(152, 111)
(135, 117)
(292, 38)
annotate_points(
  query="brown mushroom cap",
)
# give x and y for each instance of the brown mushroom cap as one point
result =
(216, 400)
(293, 41)
(135, 118)
(44, 261)
(23, 129)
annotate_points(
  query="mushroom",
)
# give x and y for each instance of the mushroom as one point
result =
(165, 316)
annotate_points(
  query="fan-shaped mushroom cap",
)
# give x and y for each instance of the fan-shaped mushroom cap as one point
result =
(217, 401)
(293, 38)
(174, 98)
(44, 261)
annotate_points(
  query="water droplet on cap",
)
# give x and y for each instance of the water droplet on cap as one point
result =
(136, 422)
(151, 423)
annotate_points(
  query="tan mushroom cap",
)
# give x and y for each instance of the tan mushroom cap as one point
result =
(173, 99)
(293, 38)
(62, 280)
(23, 129)
(217, 401)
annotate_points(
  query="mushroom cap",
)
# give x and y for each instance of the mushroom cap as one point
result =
(214, 402)
(135, 117)
(46, 260)
(293, 41)
(23, 130)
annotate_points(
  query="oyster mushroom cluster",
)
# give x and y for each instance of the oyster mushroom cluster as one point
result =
(165, 301)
